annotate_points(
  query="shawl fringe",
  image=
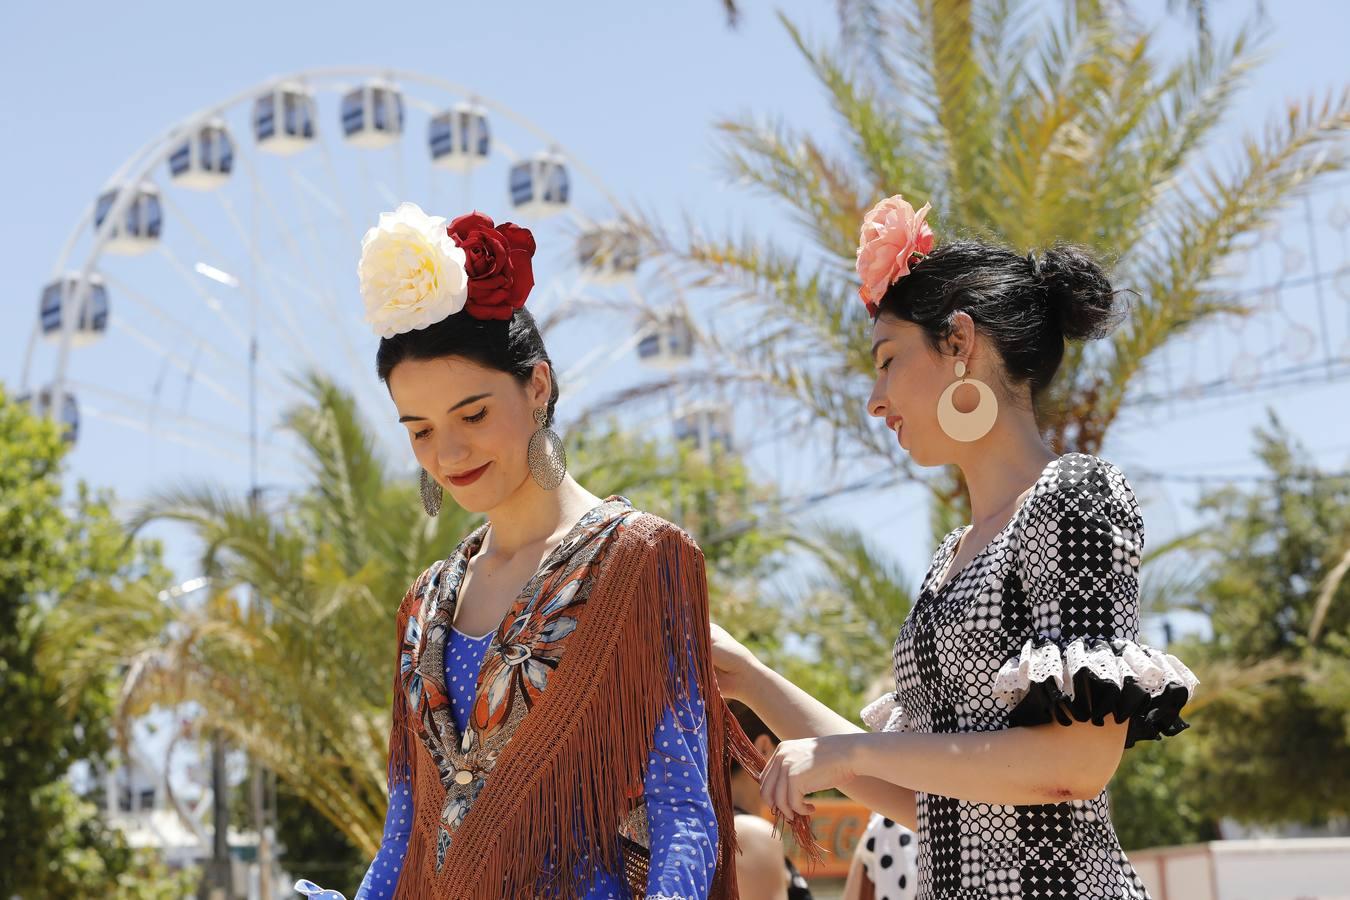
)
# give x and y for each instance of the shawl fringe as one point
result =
(570, 774)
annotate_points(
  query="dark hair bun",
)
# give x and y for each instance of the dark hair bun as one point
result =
(1080, 296)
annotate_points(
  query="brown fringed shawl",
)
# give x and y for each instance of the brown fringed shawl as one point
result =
(559, 793)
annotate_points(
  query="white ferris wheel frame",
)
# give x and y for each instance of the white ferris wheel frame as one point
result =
(138, 168)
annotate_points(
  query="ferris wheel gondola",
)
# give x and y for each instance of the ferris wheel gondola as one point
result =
(460, 138)
(138, 226)
(372, 115)
(611, 253)
(540, 185)
(283, 119)
(705, 425)
(204, 160)
(60, 299)
(67, 415)
(668, 343)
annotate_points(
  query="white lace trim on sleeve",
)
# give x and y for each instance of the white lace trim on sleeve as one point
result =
(1151, 670)
(885, 714)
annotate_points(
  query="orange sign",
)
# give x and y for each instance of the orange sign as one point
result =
(838, 825)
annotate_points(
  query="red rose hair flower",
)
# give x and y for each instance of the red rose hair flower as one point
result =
(498, 263)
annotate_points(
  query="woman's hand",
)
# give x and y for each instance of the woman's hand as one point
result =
(798, 768)
(314, 892)
(732, 662)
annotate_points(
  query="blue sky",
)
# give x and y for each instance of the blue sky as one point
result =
(630, 88)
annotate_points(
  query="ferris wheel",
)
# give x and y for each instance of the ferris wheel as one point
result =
(219, 262)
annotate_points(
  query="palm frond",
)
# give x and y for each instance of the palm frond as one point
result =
(864, 31)
(342, 459)
(1326, 594)
(856, 568)
(1018, 133)
(1228, 681)
(1207, 223)
(962, 99)
(795, 169)
(876, 130)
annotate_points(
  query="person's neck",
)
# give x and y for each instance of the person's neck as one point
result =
(1003, 467)
(745, 793)
(533, 516)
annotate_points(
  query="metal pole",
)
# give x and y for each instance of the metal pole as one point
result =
(218, 880)
(254, 496)
(676, 502)
(260, 826)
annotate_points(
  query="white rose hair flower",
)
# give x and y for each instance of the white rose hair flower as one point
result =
(412, 272)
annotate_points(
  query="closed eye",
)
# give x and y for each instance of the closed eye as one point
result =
(886, 365)
(476, 417)
(421, 435)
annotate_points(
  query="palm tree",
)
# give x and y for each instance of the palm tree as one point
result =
(846, 615)
(299, 611)
(1018, 133)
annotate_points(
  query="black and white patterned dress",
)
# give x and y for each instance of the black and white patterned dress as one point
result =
(1040, 626)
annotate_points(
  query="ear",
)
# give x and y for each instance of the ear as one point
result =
(960, 341)
(765, 744)
(541, 385)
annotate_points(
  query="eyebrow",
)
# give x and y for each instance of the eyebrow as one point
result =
(879, 342)
(465, 402)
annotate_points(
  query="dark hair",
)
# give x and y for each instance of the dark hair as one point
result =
(751, 724)
(513, 346)
(1027, 305)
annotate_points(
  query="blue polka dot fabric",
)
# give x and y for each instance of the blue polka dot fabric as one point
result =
(382, 875)
(463, 658)
(680, 817)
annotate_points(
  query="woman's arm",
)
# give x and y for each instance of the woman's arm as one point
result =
(761, 873)
(791, 712)
(382, 876)
(680, 814)
(857, 886)
(1043, 764)
(1018, 766)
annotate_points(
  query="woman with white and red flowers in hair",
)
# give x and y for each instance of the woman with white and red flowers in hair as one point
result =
(557, 730)
(1019, 681)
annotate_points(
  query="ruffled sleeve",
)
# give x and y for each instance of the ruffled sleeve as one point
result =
(1078, 558)
(886, 714)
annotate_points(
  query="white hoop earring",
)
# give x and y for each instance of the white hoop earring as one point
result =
(962, 426)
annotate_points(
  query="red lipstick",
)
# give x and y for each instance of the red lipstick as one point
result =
(470, 477)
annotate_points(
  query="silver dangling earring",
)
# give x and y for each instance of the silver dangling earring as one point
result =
(546, 455)
(431, 495)
(971, 426)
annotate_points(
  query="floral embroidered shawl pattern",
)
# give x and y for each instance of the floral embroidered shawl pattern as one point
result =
(550, 767)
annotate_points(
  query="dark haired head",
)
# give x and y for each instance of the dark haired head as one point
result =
(513, 346)
(1027, 306)
(751, 724)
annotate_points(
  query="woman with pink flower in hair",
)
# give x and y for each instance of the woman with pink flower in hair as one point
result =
(1019, 679)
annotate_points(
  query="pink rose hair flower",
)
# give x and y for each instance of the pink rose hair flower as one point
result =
(892, 235)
